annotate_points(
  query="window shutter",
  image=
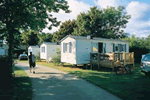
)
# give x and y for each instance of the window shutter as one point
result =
(125, 48)
(63, 47)
(113, 47)
(70, 47)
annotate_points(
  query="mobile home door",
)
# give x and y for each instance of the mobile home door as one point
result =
(100, 47)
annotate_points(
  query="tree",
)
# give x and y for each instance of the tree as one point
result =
(105, 23)
(45, 37)
(30, 38)
(147, 41)
(138, 46)
(16, 15)
(66, 28)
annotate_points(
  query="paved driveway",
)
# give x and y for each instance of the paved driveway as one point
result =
(52, 84)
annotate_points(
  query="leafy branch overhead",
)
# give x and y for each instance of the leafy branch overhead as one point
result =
(17, 16)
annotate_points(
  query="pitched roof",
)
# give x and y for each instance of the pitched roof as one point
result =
(94, 38)
(34, 46)
(51, 43)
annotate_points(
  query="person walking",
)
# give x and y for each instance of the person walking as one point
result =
(32, 63)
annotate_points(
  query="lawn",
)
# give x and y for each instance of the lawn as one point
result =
(134, 86)
(19, 89)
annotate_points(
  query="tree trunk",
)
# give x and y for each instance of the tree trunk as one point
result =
(10, 49)
(10, 54)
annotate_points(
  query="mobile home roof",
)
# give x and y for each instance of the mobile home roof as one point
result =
(83, 37)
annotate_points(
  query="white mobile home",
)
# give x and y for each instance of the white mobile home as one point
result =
(48, 49)
(34, 49)
(3, 49)
(77, 49)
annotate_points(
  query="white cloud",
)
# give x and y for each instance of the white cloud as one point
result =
(137, 9)
(75, 6)
(105, 3)
(136, 24)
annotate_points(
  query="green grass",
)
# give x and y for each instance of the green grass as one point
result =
(134, 86)
(18, 89)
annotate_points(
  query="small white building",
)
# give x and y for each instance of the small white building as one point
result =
(48, 49)
(34, 49)
(76, 49)
(3, 48)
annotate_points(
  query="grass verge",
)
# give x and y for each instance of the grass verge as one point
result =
(18, 89)
(128, 86)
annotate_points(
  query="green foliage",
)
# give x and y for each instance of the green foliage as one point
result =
(58, 51)
(29, 37)
(38, 57)
(66, 28)
(17, 16)
(139, 46)
(45, 37)
(105, 23)
(56, 59)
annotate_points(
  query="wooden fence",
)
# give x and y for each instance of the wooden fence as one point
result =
(109, 59)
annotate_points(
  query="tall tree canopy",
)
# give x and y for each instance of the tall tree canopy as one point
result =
(30, 37)
(25, 14)
(66, 28)
(106, 23)
(139, 46)
(45, 37)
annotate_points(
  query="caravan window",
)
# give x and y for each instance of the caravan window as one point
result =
(29, 50)
(64, 47)
(124, 47)
(116, 47)
(104, 47)
(43, 49)
(67, 47)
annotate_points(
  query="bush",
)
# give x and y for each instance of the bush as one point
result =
(56, 59)
(38, 57)
(138, 52)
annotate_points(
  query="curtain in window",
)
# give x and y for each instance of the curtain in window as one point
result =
(104, 48)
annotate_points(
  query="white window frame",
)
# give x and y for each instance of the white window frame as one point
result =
(30, 50)
(43, 49)
(67, 47)
(123, 47)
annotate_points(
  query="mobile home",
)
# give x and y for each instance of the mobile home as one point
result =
(48, 49)
(3, 49)
(34, 49)
(76, 49)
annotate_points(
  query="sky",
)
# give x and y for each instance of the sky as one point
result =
(139, 24)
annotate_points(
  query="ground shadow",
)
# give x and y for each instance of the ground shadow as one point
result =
(47, 73)
(55, 87)
(16, 89)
